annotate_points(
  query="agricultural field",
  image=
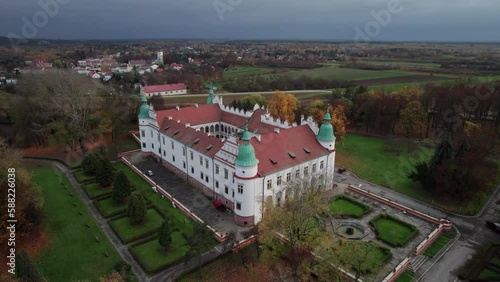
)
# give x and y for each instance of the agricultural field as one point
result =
(336, 72)
(403, 63)
(249, 70)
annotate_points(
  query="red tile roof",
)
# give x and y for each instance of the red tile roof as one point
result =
(275, 147)
(192, 115)
(207, 145)
(164, 87)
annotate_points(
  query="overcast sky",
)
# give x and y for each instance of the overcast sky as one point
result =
(419, 20)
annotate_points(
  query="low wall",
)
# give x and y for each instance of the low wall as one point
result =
(429, 240)
(397, 271)
(243, 243)
(165, 194)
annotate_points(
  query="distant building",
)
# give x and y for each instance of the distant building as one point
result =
(138, 63)
(164, 90)
(240, 159)
(176, 66)
(159, 57)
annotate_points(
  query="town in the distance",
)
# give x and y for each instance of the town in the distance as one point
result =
(248, 160)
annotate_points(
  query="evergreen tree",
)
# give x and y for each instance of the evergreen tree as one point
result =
(105, 173)
(26, 268)
(90, 163)
(165, 239)
(137, 208)
(121, 188)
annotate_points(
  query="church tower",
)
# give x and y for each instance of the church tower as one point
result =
(325, 135)
(246, 165)
(210, 99)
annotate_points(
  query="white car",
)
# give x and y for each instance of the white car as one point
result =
(149, 173)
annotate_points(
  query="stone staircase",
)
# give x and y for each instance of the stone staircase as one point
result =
(416, 263)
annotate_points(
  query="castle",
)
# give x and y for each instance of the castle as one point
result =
(240, 159)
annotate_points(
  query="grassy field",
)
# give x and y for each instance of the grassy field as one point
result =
(440, 243)
(248, 71)
(71, 242)
(393, 232)
(346, 206)
(129, 231)
(82, 177)
(153, 257)
(403, 63)
(335, 72)
(489, 273)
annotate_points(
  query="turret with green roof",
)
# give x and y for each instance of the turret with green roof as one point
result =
(246, 154)
(325, 133)
(210, 98)
(144, 109)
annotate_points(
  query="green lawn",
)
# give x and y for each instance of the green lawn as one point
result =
(393, 231)
(374, 256)
(73, 253)
(123, 144)
(128, 231)
(154, 258)
(109, 208)
(488, 272)
(440, 242)
(345, 206)
(248, 71)
(403, 63)
(406, 276)
(95, 190)
(82, 177)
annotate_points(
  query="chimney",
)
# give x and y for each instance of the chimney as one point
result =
(277, 130)
(188, 125)
(196, 105)
(197, 129)
(170, 118)
(177, 107)
(178, 121)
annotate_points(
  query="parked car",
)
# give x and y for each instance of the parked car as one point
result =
(493, 226)
(149, 173)
(342, 169)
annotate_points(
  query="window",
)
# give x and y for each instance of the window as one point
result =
(269, 184)
(226, 173)
(306, 170)
(152, 145)
(202, 175)
(163, 139)
(201, 160)
(216, 184)
(143, 145)
(183, 151)
(143, 133)
(233, 193)
(206, 178)
(206, 163)
(192, 169)
(183, 164)
(151, 133)
(240, 189)
(173, 159)
(164, 153)
(321, 164)
(288, 176)
(238, 206)
(226, 189)
(192, 155)
(172, 144)
(297, 173)
(314, 168)
(159, 151)
(216, 169)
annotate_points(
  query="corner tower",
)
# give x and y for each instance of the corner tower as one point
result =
(325, 135)
(246, 178)
(210, 98)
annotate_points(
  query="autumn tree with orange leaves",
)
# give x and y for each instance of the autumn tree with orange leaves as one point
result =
(339, 122)
(283, 106)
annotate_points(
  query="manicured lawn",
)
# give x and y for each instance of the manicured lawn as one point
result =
(95, 190)
(82, 177)
(128, 231)
(392, 231)
(489, 273)
(164, 206)
(374, 256)
(405, 277)
(440, 242)
(109, 208)
(73, 253)
(346, 206)
(154, 258)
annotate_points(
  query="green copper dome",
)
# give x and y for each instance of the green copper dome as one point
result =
(246, 154)
(210, 98)
(144, 109)
(326, 130)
